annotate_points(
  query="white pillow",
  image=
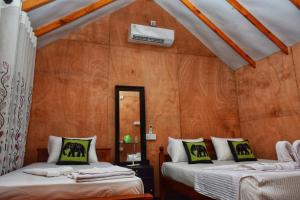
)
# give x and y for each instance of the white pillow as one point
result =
(54, 148)
(176, 149)
(222, 148)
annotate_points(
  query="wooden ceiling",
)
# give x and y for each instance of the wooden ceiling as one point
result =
(296, 3)
(71, 17)
(29, 5)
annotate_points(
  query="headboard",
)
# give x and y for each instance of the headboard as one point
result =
(165, 157)
(103, 154)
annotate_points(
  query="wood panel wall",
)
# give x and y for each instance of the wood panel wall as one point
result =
(269, 101)
(189, 92)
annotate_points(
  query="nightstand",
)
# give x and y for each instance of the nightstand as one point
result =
(145, 172)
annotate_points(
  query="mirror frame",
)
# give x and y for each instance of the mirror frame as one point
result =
(141, 90)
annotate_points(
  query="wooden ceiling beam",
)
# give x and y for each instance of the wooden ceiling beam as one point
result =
(32, 4)
(218, 31)
(241, 9)
(71, 17)
(296, 3)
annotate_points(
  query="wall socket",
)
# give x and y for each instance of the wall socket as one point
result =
(151, 136)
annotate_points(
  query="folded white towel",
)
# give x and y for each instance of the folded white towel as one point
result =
(98, 170)
(97, 174)
(284, 151)
(296, 151)
(281, 166)
(49, 172)
(76, 175)
(102, 179)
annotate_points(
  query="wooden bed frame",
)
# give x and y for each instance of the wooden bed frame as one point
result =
(168, 185)
(104, 154)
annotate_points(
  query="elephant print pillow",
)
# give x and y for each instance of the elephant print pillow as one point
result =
(241, 151)
(74, 152)
(196, 152)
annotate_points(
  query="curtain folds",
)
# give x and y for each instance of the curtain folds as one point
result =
(17, 59)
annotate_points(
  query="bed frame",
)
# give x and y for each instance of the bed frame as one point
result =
(168, 185)
(103, 154)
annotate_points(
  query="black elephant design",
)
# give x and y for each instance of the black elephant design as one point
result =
(74, 148)
(243, 149)
(199, 151)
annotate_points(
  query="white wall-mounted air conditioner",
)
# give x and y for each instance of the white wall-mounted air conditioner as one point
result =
(150, 35)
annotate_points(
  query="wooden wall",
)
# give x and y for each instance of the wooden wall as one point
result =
(189, 92)
(269, 101)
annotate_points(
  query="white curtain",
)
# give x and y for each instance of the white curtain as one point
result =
(17, 59)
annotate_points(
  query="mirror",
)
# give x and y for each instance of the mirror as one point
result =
(130, 125)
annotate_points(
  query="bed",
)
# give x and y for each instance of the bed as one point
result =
(19, 185)
(182, 178)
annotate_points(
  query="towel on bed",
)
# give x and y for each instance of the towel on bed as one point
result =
(296, 151)
(283, 166)
(284, 151)
(99, 174)
(49, 172)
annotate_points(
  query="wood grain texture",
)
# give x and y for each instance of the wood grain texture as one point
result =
(157, 72)
(97, 31)
(296, 62)
(208, 103)
(29, 5)
(268, 91)
(75, 79)
(69, 94)
(296, 3)
(42, 30)
(269, 101)
(141, 12)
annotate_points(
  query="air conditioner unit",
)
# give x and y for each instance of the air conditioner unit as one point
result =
(150, 35)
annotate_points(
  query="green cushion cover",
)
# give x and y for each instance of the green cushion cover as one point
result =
(196, 152)
(74, 152)
(241, 151)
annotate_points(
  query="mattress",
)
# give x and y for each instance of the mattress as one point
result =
(20, 186)
(185, 173)
(255, 185)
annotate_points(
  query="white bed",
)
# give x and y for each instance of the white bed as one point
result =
(20, 186)
(255, 186)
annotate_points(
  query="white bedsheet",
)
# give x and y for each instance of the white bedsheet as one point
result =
(18, 185)
(185, 173)
(257, 186)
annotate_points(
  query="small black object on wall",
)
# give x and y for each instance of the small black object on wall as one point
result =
(8, 1)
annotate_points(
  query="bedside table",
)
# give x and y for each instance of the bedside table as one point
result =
(145, 172)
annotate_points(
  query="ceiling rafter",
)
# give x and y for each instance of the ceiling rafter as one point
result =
(296, 3)
(71, 17)
(242, 10)
(218, 31)
(29, 5)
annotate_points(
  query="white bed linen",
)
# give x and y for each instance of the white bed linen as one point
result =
(185, 173)
(18, 185)
(251, 185)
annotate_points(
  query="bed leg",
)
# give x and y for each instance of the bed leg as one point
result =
(163, 193)
(163, 190)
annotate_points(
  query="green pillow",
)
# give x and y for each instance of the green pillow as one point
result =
(196, 152)
(74, 152)
(241, 151)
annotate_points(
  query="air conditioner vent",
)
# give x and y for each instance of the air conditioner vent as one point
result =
(150, 35)
(147, 39)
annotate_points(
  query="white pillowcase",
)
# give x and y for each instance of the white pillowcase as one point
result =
(222, 147)
(54, 148)
(176, 149)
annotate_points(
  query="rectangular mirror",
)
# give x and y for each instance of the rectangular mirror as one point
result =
(130, 125)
